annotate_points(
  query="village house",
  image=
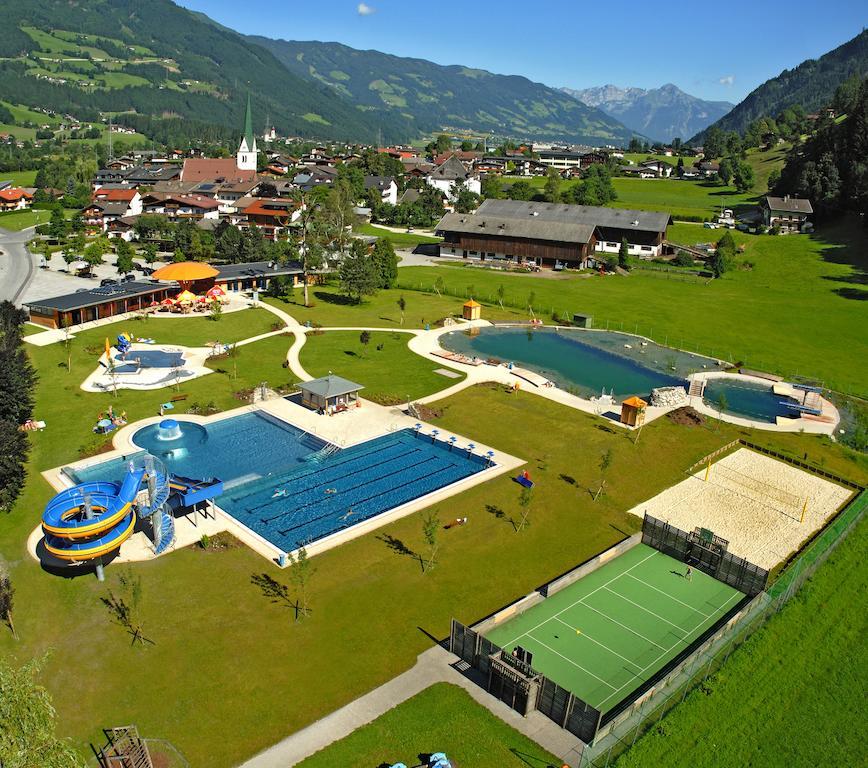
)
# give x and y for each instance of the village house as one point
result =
(446, 175)
(790, 214)
(15, 199)
(179, 206)
(385, 185)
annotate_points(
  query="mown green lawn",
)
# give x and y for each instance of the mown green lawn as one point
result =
(799, 309)
(812, 655)
(443, 718)
(15, 222)
(330, 308)
(398, 239)
(19, 178)
(389, 371)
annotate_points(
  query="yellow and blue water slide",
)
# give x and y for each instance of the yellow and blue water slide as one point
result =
(72, 534)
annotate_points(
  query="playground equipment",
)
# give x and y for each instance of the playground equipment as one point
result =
(124, 342)
(91, 520)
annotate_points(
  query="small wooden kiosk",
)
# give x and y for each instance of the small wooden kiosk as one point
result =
(472, 310)
(633, 411)
(330, 394)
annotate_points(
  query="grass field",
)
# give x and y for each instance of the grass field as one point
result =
(18, 220)
(812, 655)
(606, 634)
(215, 631)
(821, 275)
(19, 178)
(442, 718)
(330, 308)
(399, 239)
(389, 371)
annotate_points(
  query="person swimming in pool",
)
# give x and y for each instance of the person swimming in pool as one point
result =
(331, 490)
(349, 512)
(278, 492)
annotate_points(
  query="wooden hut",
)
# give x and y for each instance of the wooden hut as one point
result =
(472, 310)
(633, 411)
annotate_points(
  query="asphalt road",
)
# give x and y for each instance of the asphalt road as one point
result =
(17, 265)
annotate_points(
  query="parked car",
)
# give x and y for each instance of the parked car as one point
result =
(107, 281)
(128, 278)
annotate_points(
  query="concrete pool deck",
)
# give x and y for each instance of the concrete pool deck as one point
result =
(345, 429)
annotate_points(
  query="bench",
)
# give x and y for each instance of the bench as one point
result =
(177, 398)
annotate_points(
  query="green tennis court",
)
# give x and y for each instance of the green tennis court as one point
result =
(612, 630)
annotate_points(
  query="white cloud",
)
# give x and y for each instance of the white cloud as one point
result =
(727, 80)
(365, 10)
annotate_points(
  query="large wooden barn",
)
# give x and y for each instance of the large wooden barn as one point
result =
(550, 234)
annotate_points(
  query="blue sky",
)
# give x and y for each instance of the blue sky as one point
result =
(713, 51)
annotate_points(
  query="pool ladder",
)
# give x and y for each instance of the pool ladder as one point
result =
(323, 453)
(697, 387)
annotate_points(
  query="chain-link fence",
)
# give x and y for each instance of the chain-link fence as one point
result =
(618, 735)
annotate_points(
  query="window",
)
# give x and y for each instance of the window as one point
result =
(646, 248)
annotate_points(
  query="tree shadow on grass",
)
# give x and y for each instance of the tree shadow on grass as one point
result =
(276, 592)
(532, 760)
(335, 298)
(400, 548)
(499, 514)
(569, 480)
(855, 294)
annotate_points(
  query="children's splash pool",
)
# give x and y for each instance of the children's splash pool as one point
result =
(133, 360)
(291, 487)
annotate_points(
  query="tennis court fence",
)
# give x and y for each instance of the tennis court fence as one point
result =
(726, 567)
(647, 710)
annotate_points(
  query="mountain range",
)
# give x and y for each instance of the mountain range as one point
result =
(661, 114)
(428, 97)
(153, 62)
(810, 85)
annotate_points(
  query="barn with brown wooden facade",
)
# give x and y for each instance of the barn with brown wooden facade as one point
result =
(550, 234)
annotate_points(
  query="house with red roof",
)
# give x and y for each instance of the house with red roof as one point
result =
(131, 197)
(272, 215)
(216, 170)
(15, 199)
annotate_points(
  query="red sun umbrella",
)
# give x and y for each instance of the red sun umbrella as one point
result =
(168, 302)
(215, 290)
(154, 304)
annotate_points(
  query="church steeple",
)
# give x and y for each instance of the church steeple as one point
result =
(247, 152)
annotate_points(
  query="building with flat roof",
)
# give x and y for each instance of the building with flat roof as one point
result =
(550, 234)
(90, 304)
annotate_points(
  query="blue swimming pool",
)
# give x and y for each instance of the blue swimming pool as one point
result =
(564, 358)
(285, 484)
(319, 498)
(236, 450)
(748, 399)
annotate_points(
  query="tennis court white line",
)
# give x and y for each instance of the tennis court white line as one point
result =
(608, 685)
(687, 605)
(633, 631)
(602, 645)
(671, 648)
(643, 608)
(579, 600)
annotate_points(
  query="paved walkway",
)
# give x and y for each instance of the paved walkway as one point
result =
(432, 666)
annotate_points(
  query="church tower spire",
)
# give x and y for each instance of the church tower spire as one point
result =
(247, 152)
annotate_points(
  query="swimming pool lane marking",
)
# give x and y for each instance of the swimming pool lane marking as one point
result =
(582, 633)
(570, 661)
(657, 659)
(554, 616)
(647, 610)
(686, 605)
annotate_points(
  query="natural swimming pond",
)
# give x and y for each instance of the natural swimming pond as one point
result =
(748, 399)
(565, 357)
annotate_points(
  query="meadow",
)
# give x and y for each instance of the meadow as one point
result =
(398, 239)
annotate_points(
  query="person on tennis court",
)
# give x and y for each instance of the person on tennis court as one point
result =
(688, 574)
